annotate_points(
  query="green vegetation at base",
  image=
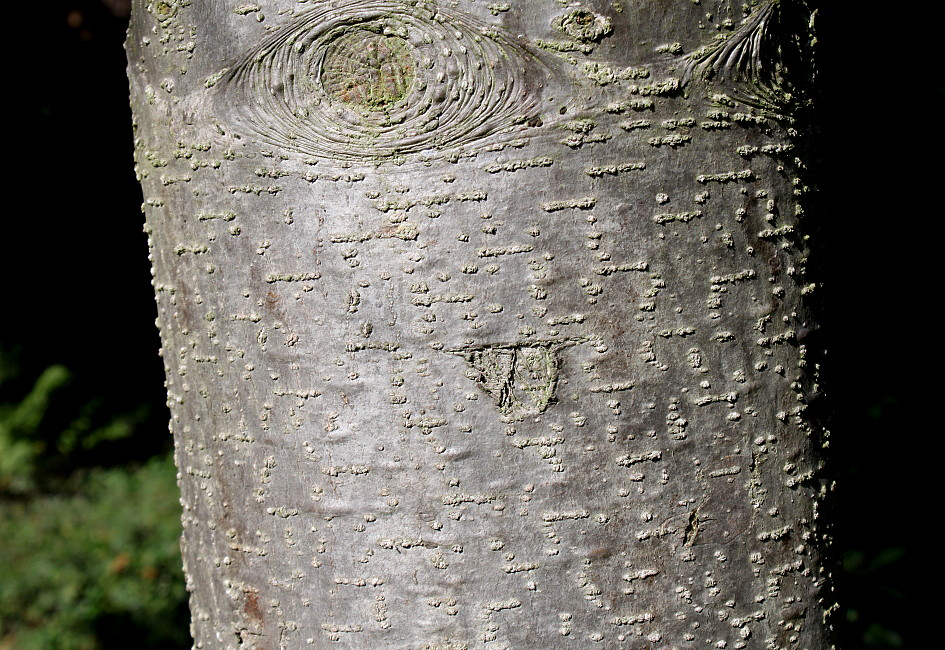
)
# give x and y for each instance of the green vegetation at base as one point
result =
(90, 557)
(96, 567)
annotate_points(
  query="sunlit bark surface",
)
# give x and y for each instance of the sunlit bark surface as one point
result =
(486, 325)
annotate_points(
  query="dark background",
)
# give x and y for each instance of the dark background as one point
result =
(76, 295)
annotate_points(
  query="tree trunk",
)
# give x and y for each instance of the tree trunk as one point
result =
(484, 324)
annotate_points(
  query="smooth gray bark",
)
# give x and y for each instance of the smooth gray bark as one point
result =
(484, 324)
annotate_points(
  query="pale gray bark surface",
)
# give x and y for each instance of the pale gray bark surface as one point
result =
(484, 324)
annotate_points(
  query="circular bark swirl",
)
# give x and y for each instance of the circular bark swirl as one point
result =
(375, 79)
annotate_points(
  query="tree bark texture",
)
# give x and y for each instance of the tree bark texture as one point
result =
(485, 324)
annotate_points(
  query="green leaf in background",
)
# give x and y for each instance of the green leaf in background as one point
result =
(90, 558)
(20, 443)
(97, 568)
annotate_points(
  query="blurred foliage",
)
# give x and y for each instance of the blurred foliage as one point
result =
(96, 567)
(91, 555)
(872, 619)
(876, 568)
(56, 425)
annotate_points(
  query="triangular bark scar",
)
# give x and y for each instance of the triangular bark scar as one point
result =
(520, 377)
